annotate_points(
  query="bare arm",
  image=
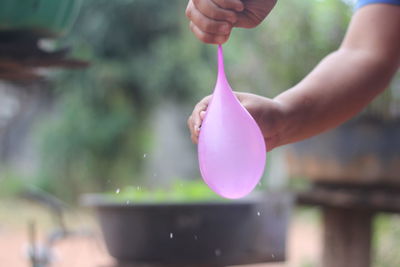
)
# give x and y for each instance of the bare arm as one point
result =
(339, 87)
(346, 80)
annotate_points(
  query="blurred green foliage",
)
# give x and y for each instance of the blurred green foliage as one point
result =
(11, 183)
(179, 191)
(287, 46)
(142, 53)
(386, 240)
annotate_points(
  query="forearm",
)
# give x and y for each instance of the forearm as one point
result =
(346, 80)
(338, 88)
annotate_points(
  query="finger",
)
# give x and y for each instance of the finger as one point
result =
(230, 4)
(209, 9)
(197, 119)
(205, 101)
(194, 130)
(209, 25)
(190, 124)
(195, 139)
(247, 20)
(239, 95)
(193, 134)
(201, 107)
(208, 37)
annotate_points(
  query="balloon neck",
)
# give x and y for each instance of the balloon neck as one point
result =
(221, 69)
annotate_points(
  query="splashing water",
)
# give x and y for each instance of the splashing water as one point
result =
(117, 191)
(171, 235)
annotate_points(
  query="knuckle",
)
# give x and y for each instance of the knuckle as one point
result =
(199, 108)
(205, 99)
(188, 12)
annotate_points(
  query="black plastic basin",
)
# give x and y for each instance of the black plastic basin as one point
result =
(188, 234)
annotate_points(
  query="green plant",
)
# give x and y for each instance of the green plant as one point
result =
(179, 191)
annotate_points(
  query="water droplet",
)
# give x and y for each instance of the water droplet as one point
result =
(117, 191)
(171, 235)
(128, 202)
(144, 155)
(218, 252)
(196, 237)
(258, 213)
(273, 256)
(138, 188)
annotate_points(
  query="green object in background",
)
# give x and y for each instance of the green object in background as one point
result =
(179, 192)
(48, 18)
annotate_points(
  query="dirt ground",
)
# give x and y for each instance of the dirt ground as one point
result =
(303, 244)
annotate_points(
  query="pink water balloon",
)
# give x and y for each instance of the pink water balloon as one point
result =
(231, 146)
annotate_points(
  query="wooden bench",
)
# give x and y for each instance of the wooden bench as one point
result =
(348, 212)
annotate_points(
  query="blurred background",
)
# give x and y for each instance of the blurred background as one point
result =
(120, 124)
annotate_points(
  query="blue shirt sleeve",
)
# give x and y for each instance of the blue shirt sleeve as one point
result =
(362, 3)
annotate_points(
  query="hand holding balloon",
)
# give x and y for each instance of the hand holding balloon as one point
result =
(269, 115)
(212, 20)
